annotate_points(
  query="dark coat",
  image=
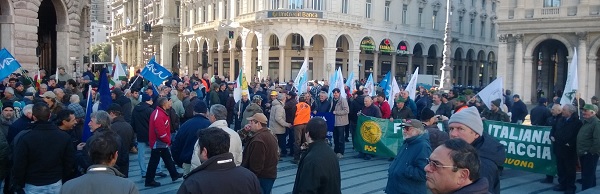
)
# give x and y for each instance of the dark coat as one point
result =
(189, 109)
(19, 125)
(141, 119)
(444, 109)
(480, 186)
(519, 112)
(183, 145)
(372, 111)
(565, 132)
(495, 116)
(404, 113)
(126, 107)
(220, 175)
(436, 137)
(261, 155)
(408, 168)
(323, 107)
(318, 170)
(356, 105)
(125, 131)
(491, 156)
(539, 115)
(290, 110)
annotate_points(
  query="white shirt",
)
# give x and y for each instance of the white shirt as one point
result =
(235, 145)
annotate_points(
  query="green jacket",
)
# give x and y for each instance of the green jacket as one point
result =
(588, 138)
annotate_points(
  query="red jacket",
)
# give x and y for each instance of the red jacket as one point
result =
(159, 128)
(386, 111)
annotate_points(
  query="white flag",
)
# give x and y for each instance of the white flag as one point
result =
(572, 83)
(492, 92)
(370, 86)
(412, 84)
(339, 83)
(119, 71)
(393, 91)
(301, 73)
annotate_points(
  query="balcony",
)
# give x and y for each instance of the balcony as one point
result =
(550, 11)
(301, 15)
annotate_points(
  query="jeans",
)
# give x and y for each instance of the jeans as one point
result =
(339, 139)
(290, 139)
(347, 132)
(266, 185)
(299, 131)
(588, 170)
(142, 146)
(44, 189)
(281, 141)
(155, 156)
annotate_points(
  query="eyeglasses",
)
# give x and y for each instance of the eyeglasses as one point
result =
(407, 128)
(435, 165)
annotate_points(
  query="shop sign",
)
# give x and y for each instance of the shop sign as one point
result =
(386, 46)
(294, 14)
(367, 44)
(403, 50)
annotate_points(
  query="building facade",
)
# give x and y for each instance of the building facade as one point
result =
(272, 38)
(145, 28)
(100, 11)
(538, 40)
(46, 33)
(99, 33)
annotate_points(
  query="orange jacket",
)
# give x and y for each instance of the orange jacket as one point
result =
(302, 113)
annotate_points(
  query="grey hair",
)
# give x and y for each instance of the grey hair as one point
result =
(556, 107)
(280, 96)
(101, 118)
(28, 109)
(161, 101)
(219, 111)
(74, 98)
(323, 93)
(570, 108)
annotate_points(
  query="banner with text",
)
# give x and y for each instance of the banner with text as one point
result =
(528, 148)
(330, 120)
(376, 136)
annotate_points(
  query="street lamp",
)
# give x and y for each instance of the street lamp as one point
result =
(446, 82)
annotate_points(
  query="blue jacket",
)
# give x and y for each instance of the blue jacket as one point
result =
(183, 145)
(519, 112)
(407, 172)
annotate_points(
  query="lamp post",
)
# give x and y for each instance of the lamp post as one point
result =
(446, 82)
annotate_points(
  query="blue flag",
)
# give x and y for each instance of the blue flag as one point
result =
(86, 133)
(155, 72)
(104, 90)
(9, 63)
(384, 83)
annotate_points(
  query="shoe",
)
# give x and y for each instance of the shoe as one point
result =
(179, 175)
(153, 184)
(549, 181)
(294, 161)
(559, 188)
(161, 174)
(133, 150)
(339, 155)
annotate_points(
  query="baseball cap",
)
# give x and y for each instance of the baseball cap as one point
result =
(200, 107)
(48, 94)
(260, 117)
(413, 123)
(274, 93)
(590, 107)
(146, 97)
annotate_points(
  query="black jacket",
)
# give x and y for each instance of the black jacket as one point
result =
(491, 157)
(182, 147)
(290, 110)
(19, 125)
(357, 104)
(444, 109)
(372, 111)
(126, 107)
(42, 156)
(124, 130)
(539, 115)
(322, 107)
(141, 119)
(404, 113)
(318, 170)
(565, 132)
(220, 175)
(519, 112)
(480, 186)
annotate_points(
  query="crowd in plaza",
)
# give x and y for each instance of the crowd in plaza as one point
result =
(193, 124)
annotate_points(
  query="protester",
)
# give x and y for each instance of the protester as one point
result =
(140, 123)
(261, 153)
(253, 108)
(454, 167)
(239, 109)
(401, 111)
(406, 173)
(278, 122)
(369, 109)
(126, 134)
(467, 125)
(436, 136)
(290, 114)
(101, 177)
(563, 136)
(7, 118)
(519, 110)
(588, 146)
(183, 145)
(383, 105)
(218, 172)
(300, 121)
(319, 169)
(341, 111)
(439, 107)
(540, 114)
(460, 103)
(495, 113)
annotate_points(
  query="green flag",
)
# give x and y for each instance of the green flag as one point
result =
(377, 136)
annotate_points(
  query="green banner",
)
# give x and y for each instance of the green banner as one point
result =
(528, 148)
(376, 136)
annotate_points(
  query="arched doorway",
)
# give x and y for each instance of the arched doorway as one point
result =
(479, 68)
(342, 46)
(458, 67)
(470, 68)
(275, 71)
(317, 56)
(6, 25)
(386, 50)
(46, 50)
(491, 68)
(296, 42)
(432, 63)
(367, 57)
(550, 65)
(419, 59)
(175, 59)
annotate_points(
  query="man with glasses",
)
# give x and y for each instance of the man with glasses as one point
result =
(467, 125)
(406, 174)
(453, 167)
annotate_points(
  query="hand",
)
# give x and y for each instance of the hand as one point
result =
(482, 118)
(443, 118)
(315, 112)
(552, 138)
(247, 127)
(80, 146)
(391, 119)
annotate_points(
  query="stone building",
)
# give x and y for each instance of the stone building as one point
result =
(273, 38)
(46, 33)
(99, 33)
(145, 28)
(537, 41)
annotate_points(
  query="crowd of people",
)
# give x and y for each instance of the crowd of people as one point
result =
(194, 123)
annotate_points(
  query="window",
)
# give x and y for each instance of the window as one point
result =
(387, 11)
(297, 41)
(434, 20)
(551, 3)
(296, 4)
(493, 6)
(253, 6)
(345, 6)
(318, 4)
(204, 14)
(177, 10)
(214, 11)
(420, 17)
(472, 27)
(482, 29)
(460, 24)
(483, 4)
(238, 6)
(404, 10)
(472, 3)
(273, 41)
(225, 9)
(275, 4)
(368, 9)
(493, 31)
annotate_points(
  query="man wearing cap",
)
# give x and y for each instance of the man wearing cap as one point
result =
(540, 114)
(239, 109)
(460, 103)
(406, 173)
(430, 120)
(596, 102)
(183, 145)
(467, 125)
(278, 122)
(125, 131)
(261, 153)
(518, 110)
(495, 113)
(401, 111)
(588, 146)
(19, 91)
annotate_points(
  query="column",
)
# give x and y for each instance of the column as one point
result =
(528, 86)
(592, 76)
(353, 63)
(486, 73)
(393, 64)
(247, 62)
(183, 55)
(437, 70)
(518, 68)
(263, 61)
(281, 63)
(232, 52)
(423, 66)
(122, 53)
(582, 66)
(475, 74)
(376, 66)
(220, 61)
(210, 60)
(410, 66)
(502, 62)
(329, 62)
(463, 72)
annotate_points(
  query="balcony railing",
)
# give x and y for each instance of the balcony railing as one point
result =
(550, 11)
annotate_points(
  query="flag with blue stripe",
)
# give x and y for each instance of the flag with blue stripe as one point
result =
(9, 64)
(385, 83)
(86, 133)
(155, 72)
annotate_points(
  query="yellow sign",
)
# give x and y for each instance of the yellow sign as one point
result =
(370, 132)
(294, 14)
